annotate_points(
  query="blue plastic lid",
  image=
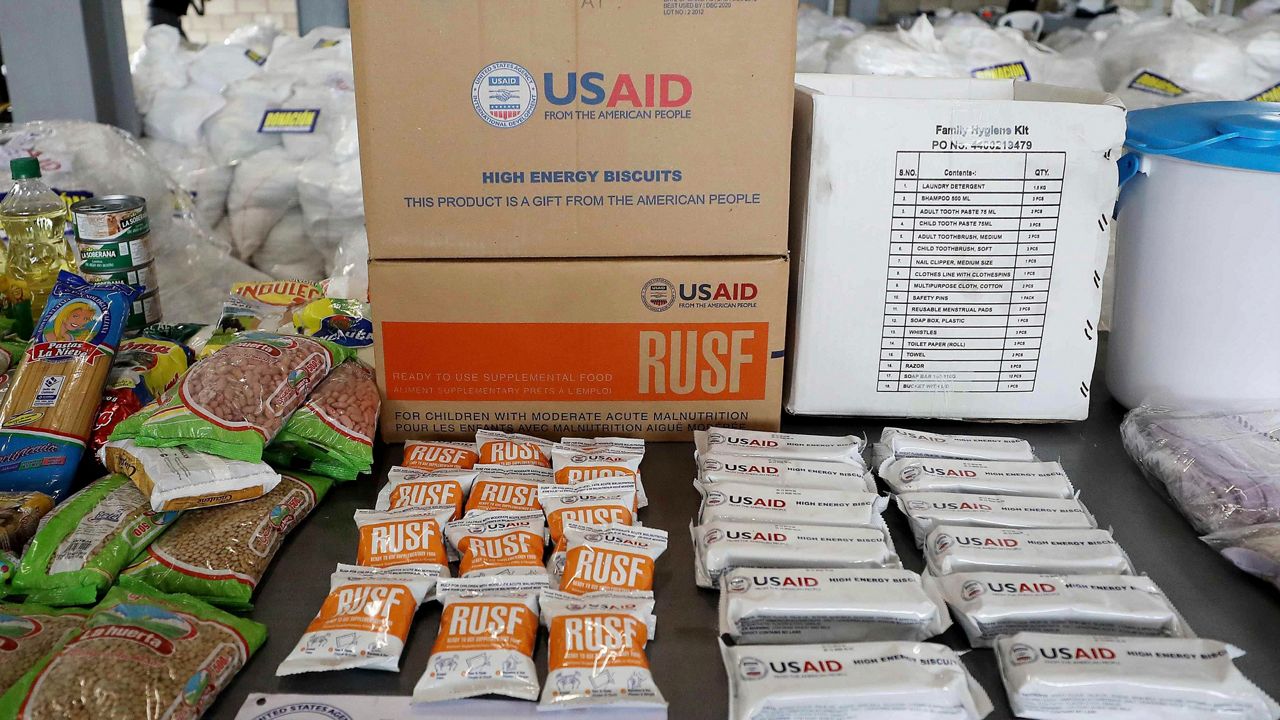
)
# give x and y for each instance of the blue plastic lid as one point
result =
(1236, 134)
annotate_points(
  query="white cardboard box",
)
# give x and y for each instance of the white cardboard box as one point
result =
(949, 240)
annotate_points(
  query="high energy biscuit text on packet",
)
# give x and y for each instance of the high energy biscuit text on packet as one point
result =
(497, 543)
(423, 488)
(950, 549)
(730, 441)
(901, 443)
(744, 502)
(1028, 479)
(781, 472)
(610, 557)
(763, 606)
(596, 652)
(926, 511)
(721, 545)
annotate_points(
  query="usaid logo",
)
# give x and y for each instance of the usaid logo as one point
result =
(737, 584)
(504, 95)
(750, 668)
(943, 543)
(972, 589)
(1022, 654)
(712, 537)
(714, 498)
(918, 505)
(910, 474)
(658, 294)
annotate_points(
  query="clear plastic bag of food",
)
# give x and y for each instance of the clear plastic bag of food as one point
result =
(332, 433)
(30, 632)
(1254, 549)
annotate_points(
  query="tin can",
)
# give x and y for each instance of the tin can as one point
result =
(145, 311)
(113, 233)
(143, 278)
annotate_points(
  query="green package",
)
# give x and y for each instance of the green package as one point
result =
(235, 401)
(219, 554)
(28, 632)
(86, 541)
(332, 433)
(8, 565)
(142, 655)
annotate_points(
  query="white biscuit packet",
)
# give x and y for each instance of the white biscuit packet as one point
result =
(721, 546)
(407, 487)
(595, 655)
(951, 549)
(364, 621)
(853, 681)
(488, 632)
(1059, 677)
(575, 465)
(181, 479)
(781, 472)
(728, 441)
(902, 443)
(763, 606)
(991, 604)
(745, 502)
(496, 543)
(926, 511)
(987, 477)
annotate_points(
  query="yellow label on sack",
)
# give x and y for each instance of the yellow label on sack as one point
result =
(1271, 94)
(1003, 71)
(289, 121)
(284, 293)
(1147, 81)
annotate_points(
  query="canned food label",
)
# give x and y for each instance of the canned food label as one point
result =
(122, 226)
(114, 257)
(143, 312)
(143, 277)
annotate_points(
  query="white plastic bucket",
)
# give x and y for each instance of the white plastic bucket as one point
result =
(1197, 286)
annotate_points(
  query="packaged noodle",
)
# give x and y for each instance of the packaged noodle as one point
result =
(423, 488)
(180, 479)
(900, 443)
(235, 402)
(744, 502)
(365, 620)
(926, 511)
(501, 448)
(781, 472)
(596, 651)
(54, 395)
(86, 541)
(986, 477)
(332, 433)
(268, 306)
(509, 489)
(610, 557)
(492, 543)
(438, 455)
(856, 681)
(720, 546)
(729, 441)
(220, 554)
(140, 655)
(1067, 552)
(595, 503)
(143, 369)
(27, 633)
(20, 515)
(409, 536)
(762, 606)
(992, 604)
(573, 465)
(1057, 677)
(488, 631)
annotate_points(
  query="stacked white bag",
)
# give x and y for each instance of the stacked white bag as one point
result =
(284, 201)
(819, 36)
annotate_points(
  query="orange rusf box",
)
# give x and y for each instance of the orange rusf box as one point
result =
(575, 128)
(650, 348)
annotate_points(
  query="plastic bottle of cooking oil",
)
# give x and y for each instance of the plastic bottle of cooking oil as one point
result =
(34, 218)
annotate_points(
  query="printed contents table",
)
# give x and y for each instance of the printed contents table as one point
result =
(970, 262)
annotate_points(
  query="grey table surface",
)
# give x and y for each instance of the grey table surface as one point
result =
(1218, 601)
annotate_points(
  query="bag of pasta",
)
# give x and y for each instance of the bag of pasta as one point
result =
(332, 433)
(53, 398)
(235, 401)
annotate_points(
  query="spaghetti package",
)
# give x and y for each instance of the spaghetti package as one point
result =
(236, 401)
(501, 448)
(178, 479)
(53, 397)
(596, 652)
(410, 536)
(423, 488)
(491, 543)
(143, 368)
(488, 631)
(574, 465)
(364, 622)
(29, 632)
(610, 557)
(86, 541)
(438, 455)
(220, 554)
(332, 433)
(597, 503)
(507, 489)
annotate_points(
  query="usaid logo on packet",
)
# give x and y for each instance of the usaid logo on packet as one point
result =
(504, 95)
(660, 295)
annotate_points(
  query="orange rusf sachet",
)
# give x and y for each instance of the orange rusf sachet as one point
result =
(596, 652)
(610, 557)
(488, 630)
(364, 621)
(512, 489)
(501, 448)
(422, 488)
(409, 536)
(575, 465)
(612, 500)
(493, 543)
(438, 455)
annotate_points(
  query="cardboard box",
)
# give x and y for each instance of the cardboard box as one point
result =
(574, 128)
(950, 238)
(650, 348)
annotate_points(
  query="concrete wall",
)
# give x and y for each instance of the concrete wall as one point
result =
(220, 18)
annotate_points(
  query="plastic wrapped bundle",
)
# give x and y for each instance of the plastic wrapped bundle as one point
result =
(232, 134)
(819, 35)
(195, 171)
(258, 38)
(332, 201)
(1221, 469)
(214, 67)
(1261, 41)
(349, 269)
(263, 191)
(287, 254)
(160, 63)
(322, 51)
(335, 99)
(1255, 549)
(914, 53)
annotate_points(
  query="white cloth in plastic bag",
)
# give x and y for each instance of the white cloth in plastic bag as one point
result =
(232, 134)
(335, 98)
(177, 114)
(263, 189)
(916, 52)
(214, 67)
(819, 35)
(258, 38)
(287, 254)
(332, 201)
(196, 172)
(1261, 41)
(161, 62)
(318, 54)
(349, 269)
